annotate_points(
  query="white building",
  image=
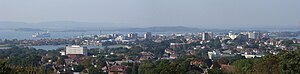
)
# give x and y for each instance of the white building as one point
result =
(251, 56)
(76, 50)
(148, 35)
(62, 53)
(207, 35)
(232, 35)
(132, 35)
(213, 54)
(253, 35)
(120, 38)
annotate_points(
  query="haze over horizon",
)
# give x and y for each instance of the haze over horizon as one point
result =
(226, 14)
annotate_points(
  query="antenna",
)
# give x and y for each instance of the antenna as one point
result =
(100, 31)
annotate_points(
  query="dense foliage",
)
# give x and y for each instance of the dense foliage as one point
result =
(22, 60)
(168, 67)
(283, 63)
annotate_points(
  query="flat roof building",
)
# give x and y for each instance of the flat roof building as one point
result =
(76, 50)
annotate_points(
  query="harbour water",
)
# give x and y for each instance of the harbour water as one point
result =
(53, 47)
(11, 34)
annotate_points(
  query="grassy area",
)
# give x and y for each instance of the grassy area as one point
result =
(297, 45)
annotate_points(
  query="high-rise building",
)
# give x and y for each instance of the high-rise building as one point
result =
(76, 50)
(114, 35)
(253, 35)
(147, 35)
(132, 35)
(207, 35)
(211, 35)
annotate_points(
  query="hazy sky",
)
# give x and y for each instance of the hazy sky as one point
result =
(192, 13)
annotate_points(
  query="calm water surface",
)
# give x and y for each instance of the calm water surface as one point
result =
(53, 47)
(11, 34)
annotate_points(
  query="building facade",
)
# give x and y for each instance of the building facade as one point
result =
(207, 36)
(148, 35)
(76, 50)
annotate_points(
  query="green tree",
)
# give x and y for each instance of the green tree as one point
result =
(287, 42)
(244, 66)
(146, 68)
(78, 68)
(134, 69)
(215, 71)
(4, 69)
(267, 65)
(290, 62)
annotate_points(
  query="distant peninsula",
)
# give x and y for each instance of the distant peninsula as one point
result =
(161, 29)
(28, 29)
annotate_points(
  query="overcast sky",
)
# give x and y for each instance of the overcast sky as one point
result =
(191, 13)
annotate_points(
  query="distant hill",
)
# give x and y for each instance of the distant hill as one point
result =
(86, 26)
(28, 29)
(56, 25)
(162, 29)
(13, 25)
(71, 26)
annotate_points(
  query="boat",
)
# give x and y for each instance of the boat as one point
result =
(41, 34)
